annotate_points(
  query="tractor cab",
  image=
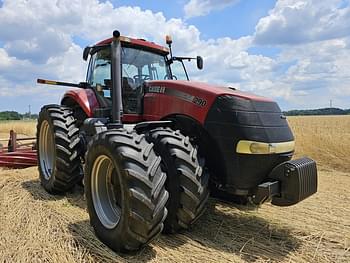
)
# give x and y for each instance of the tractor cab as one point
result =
(141, 61)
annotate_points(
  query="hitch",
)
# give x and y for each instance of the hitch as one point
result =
(266, 191)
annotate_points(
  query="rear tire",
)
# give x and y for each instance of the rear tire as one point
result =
(125, 190)
(187, 181)
(58, 149)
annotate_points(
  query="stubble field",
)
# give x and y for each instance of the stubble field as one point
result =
(37, 227)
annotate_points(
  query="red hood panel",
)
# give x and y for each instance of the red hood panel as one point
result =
(189, 98)
(206, 89)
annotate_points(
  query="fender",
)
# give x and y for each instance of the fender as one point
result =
(86, 99)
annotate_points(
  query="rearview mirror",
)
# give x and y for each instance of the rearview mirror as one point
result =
(86, 53)
(199, 62)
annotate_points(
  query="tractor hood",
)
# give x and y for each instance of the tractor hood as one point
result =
(204, 89)
(196, 99)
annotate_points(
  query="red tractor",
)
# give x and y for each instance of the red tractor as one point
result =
(150, 144)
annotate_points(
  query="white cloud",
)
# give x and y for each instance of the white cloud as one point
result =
(314, 39)
(320, 74)
(203, 7)
(37, 37)
(293, 22)
(48, 50)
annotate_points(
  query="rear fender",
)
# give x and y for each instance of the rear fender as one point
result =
(86, 99)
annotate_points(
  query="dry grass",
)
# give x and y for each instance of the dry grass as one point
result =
(324, 138)
(27, 128)
(37, 227)
(24, 129)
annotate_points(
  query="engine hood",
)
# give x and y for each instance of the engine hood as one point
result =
(205, 89)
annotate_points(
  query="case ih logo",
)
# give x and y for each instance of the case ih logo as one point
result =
(156, 89)
(179, 94)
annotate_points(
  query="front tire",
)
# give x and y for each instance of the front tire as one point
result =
(58, 149)
(125, 191)
(187, 181)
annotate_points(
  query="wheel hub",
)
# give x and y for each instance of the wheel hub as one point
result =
(46, 150)
(104, 190)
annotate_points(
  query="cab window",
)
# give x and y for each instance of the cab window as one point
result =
(101, 68)
(138, 66)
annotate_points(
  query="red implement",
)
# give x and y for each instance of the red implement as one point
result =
(18, 159)
(16, 155)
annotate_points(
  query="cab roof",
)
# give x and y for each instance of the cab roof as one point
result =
(136, 42)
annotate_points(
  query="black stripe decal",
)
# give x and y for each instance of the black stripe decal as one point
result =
(176, 93)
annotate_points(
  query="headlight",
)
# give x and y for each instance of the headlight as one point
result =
(252, 147)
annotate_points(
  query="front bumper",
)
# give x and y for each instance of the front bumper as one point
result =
(288, 183)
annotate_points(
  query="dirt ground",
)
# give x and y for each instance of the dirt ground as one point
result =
(37, 227)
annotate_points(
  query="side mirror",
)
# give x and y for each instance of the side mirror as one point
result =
(199, 62)
(86, 53)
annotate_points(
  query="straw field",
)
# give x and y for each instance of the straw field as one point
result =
(323, 138)
(24, 129)
(27, 128)
(37, 227)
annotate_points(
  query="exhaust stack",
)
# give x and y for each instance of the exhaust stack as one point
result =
(116, 72)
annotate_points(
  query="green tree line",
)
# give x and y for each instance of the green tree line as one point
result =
(14, 115)
(324, 111)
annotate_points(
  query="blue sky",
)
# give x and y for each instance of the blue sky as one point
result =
(295, 51)
(235, 20)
